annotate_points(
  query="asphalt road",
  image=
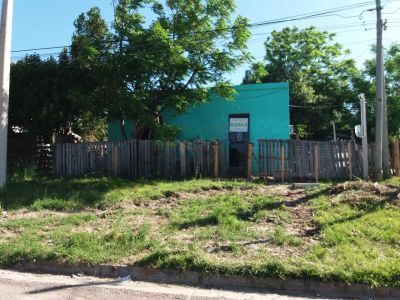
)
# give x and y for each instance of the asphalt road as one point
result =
(15, 285)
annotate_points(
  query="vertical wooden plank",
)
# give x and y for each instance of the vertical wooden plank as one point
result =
(350, 155)
(121, 158)
(208, 158)
(56, 158)
(69, 149)
(116, 160)
(72, 161)
(129, 158)
(147, 158)
(182, 158)
(166, 159)
(86, 157)
(249, 159)
(75, 157)
(396, 157)
(216, 159)
(63, 160)
(135, 158)
(316, 162)
(267, 158)
(80, 159)
(260, 158)
(282, 162)
(67, 160)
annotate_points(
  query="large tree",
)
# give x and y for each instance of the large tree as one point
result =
(169, 62)
(320, 78)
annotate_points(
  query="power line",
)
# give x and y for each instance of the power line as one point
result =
(315, 107)
(37, 49)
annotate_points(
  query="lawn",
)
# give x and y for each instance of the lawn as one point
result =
(342, 232)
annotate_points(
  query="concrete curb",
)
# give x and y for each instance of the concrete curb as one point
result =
(311, 288)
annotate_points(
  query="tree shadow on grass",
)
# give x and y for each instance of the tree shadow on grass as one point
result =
(60, 193)
(249, 214)
(200, 222)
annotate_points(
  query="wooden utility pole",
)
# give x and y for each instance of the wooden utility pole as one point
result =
(379, 94)
(5, 61)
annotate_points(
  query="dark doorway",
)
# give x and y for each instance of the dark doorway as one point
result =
(239, 137)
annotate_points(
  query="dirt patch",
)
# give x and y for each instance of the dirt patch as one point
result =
(6, 234)
(26, 214)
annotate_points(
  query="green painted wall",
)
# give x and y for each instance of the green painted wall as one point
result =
(267, 104)
(114, 130)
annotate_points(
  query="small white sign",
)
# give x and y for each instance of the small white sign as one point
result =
(359, 131)
(238, 125)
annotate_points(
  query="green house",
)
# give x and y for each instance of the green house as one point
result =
(258, 111)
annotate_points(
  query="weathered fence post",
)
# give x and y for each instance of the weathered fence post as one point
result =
(316, 162)
(115, 160)
(57, 159)
(249, 159)
(182, 155)
(396, 157)
(283, 162)
(216, 159)
(350, 154)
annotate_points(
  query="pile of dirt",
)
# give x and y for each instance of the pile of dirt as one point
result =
(365, 186)
(361, 193)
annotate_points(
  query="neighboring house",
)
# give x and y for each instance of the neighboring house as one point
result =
(258, 111)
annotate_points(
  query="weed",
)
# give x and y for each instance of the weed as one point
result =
(279, 237)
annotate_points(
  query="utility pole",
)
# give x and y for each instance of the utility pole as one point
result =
(5, 61)
(379, 94)
(364, 135)
(385, 137)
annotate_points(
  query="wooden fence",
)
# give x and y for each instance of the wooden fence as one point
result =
(395, 153)
(309, 160)
(142, 158)
(280, 159)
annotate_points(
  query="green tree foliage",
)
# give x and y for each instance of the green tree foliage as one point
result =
(167, 63)
(320, 78)
(392, 88)
(51, 97)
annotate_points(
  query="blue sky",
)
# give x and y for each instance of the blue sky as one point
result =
(48, 23)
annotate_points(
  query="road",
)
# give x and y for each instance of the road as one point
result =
(26, 286)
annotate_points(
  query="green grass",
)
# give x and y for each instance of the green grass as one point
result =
(65, 194)
(237, 229)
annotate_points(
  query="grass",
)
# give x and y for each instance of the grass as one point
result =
(215, 226)
(63, 194)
